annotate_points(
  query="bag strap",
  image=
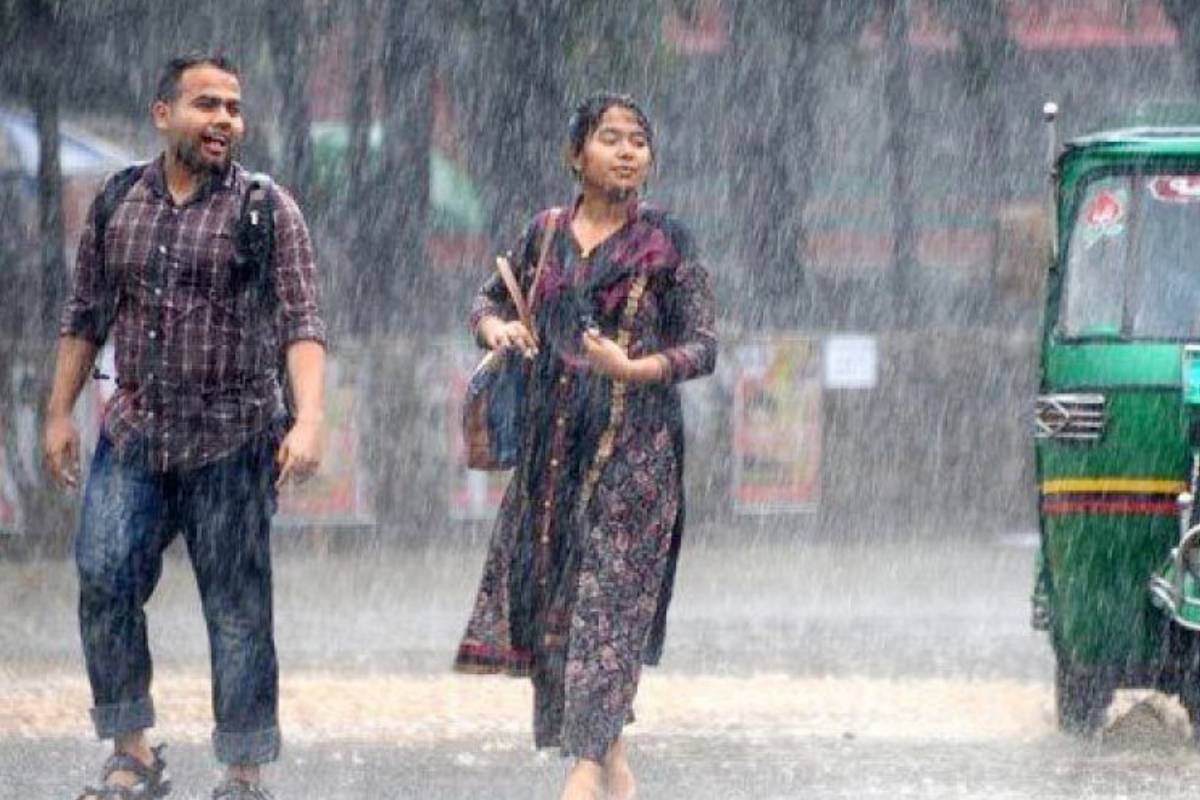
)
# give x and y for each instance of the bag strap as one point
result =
(547, 234)
(524, 312)
(514, 290)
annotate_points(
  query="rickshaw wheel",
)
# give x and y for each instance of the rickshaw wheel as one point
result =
(1185, 644)
(1189, 698)
(1192, 706)
(1080, 697)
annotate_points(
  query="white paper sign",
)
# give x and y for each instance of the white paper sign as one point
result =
(851, 362)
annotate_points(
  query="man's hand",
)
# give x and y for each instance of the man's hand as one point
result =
(300, 453)
(60, 444)
(60, 440)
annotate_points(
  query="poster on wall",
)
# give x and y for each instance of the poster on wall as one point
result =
(20, 452)
(474, 496)
(776, 427)
(337, 496)
(10, 510)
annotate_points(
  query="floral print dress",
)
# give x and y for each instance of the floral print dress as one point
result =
(582, 559)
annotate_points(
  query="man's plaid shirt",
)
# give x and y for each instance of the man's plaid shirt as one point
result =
(197, 350)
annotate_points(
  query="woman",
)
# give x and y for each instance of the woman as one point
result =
(581, 564)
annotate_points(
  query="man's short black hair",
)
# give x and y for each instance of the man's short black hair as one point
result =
(168, 80)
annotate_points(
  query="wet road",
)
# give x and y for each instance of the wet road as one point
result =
(794, 669)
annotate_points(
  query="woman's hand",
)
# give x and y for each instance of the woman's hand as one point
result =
(496, 334)
(605, 355)
(607, 358)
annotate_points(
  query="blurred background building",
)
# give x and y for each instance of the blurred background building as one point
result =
(865, 179)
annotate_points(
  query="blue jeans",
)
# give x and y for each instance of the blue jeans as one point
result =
(130, 514)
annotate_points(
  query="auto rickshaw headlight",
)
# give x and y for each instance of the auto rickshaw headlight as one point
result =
(1190, 378)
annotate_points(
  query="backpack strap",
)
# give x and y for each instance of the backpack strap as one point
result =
(254, 236)
(254, 240)
(111, 194)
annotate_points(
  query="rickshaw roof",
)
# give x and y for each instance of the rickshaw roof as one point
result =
(1139, 142)
(1133, 146)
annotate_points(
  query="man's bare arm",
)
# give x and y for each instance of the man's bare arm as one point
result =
(61, 441)
(300, 453)
(71, 370)
(306, 372)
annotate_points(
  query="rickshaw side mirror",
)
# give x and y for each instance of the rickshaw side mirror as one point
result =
(1050, 118)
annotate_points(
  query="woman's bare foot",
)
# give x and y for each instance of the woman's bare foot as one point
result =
(584, 781)
(618, 777)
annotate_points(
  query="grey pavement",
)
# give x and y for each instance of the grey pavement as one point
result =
(744, 602)
(796, 666)
(669, 767)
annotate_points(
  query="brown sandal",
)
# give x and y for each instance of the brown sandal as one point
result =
(152, 781)
(237, 789)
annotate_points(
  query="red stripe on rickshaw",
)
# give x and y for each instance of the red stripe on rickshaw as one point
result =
(1060, 505)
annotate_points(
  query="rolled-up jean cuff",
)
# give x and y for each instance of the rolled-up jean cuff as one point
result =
(119, 719)
(248, 747)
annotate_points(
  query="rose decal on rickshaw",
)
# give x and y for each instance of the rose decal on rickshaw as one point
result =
(1105, 215)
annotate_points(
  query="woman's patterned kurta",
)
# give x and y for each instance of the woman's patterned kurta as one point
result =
(582, 560)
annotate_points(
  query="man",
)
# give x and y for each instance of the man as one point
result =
(194, 440)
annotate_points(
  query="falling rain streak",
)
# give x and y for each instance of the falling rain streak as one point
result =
(867, 184)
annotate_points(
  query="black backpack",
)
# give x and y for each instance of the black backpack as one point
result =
(254, 234)
(254, 240)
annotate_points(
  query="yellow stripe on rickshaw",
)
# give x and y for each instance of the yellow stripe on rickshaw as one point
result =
(1113, 486)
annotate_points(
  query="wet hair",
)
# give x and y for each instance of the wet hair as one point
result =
(586, 118)
(168, 80)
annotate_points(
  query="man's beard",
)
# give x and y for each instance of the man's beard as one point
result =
(188, 154)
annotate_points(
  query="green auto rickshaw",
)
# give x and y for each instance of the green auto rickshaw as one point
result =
(1117, 432)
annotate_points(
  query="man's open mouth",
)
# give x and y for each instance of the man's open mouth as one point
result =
(214, 144)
